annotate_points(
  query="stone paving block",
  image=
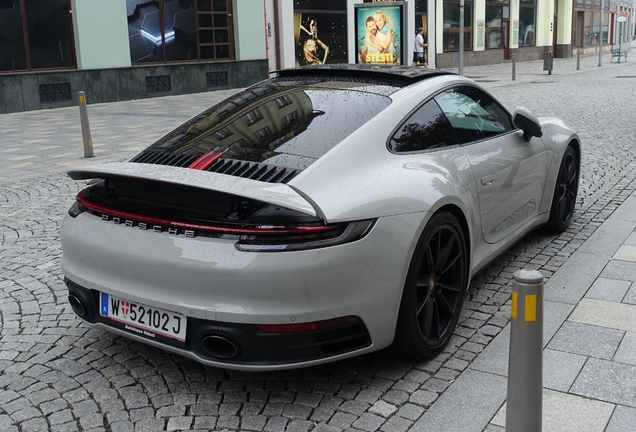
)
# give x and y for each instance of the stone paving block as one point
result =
(34, 425)
(369, 422)
(630, 295)
(623, 419)
(623, 270)
(342, 420)
(354, 407)
(612, 290)
(607, 381)
(560, 369)
(583, 339)
(605, 314)
(205, 422)
(91, 421)
(253, 422)
(468, 404)
(626, 352)
(299, 412)
(150, 425)
(396, 424)
(179, 423)
(625, 253)
(564, 412)
(276, 424)
(411, 411)
(383, 409)
(298, 426)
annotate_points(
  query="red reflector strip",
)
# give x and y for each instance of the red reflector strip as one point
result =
(205, 161)
(301, 327)
(216, 228)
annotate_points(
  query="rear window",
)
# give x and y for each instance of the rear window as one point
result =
(284, 123)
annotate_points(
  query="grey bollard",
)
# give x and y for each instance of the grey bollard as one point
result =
(525, 362)
(514, 67)
(578, 59)
(86, 129)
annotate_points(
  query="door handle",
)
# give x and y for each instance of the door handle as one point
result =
(487, 180)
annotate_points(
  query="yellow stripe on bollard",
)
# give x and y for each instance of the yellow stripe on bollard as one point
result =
(514, 305)
(82, 99)
(531, 308)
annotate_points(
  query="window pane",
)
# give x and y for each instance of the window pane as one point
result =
(473, 114)
(12, 52)
(220, 20)
(49, 23)
(205, 20)
(222, 51)
(206, 36)
(451, 27)
(493, 26)
(526, 26)
(204, 5)
(144, 33)
(428, 128)
(221, 36)
(178, 17)
(219, 5)
(207, 52)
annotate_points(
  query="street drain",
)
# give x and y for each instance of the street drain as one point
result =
(626, 76)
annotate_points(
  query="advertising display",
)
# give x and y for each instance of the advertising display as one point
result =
(320, 37)
(379, 32)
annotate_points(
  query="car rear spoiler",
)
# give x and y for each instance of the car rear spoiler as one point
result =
(272, 193)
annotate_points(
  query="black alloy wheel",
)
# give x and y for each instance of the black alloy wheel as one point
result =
(434, 290)
(565, 191)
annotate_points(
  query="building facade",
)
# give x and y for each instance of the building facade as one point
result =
(126, 49)
(130, 49)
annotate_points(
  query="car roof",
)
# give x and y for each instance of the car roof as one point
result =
(404, 74)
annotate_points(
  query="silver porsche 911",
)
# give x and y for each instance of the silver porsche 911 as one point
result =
(321, 214)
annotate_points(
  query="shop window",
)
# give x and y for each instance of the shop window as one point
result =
(320, 32)
(180, 30)
(527, 23)
(495, 36)
(451, 26)
(49, 41)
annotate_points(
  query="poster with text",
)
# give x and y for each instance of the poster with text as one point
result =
(379, 33)
(320, 38)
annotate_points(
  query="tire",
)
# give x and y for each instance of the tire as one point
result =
(565, 190)
(434, 290)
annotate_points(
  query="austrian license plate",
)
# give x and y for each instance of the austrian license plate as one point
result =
(147, 321)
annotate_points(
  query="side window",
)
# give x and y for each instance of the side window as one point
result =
(426, 129)
(473, 114)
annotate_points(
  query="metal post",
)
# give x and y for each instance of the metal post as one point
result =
(600, 39)
(514, 66)
(578, 59)
(86, 129)
(461, 37)
(525, 362)
(620, 42)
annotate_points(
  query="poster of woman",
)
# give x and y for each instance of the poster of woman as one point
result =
(320, 38)
(379, 33)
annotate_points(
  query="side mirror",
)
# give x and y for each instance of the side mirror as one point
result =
(527, 122)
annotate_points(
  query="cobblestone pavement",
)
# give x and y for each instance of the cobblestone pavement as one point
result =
(58, 374)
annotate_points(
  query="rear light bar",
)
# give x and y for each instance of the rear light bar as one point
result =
(251, 238)
(310, 326)
(84, 201)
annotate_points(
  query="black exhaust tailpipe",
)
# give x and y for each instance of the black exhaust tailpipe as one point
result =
(220, 346)
(77, 305)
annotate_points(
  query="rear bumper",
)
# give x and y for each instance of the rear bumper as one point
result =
(227, 292)
(232, 344)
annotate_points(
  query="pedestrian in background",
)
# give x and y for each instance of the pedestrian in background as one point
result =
(419, 48)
